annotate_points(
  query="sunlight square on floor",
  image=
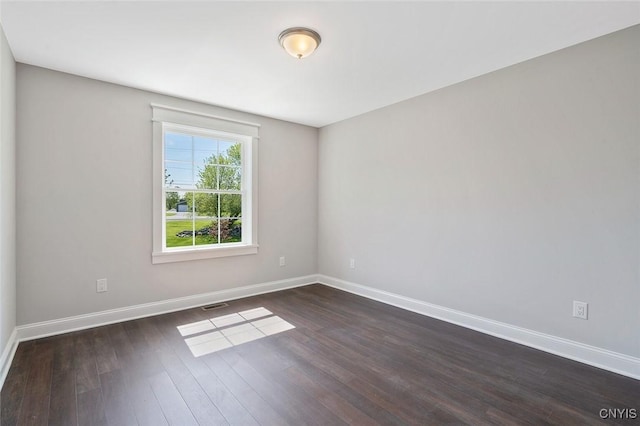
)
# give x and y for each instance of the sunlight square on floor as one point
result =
(227, 320)
(210, 347)
(230, 330)
(203, 338)
(196, 327)
(276, 328)
(245, 336)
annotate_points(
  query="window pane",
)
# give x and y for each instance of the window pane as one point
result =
(204, 144)
(179, 231)
(205, 150)
(177, 141)
(206, 205)
(178, 175)
(171, 203)
(233, 230)
(178, 160)
(207, 176)
(182, 154)
(230, 153)
(178, 216)
(230, 205)
(206, 230)
(230, 178)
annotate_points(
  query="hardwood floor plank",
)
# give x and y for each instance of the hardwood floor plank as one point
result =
(355, 371)
(63, 407)
(402, 371)
(137, 369)
(145, 405)
(349, 360)
(174, 366)
(202, 408)
(136, 336)
(259, 409)
(91, 408)
(85, 362)
(15, 384)
(225, 401)
(119, 340)
(106, 359)
(152, 335)
(117, 406)
(35, 405)
(293, 406)
(171, 402)
(170, 333)
(337, 405)
(317, 371)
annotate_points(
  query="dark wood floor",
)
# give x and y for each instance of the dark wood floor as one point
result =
(348, 361)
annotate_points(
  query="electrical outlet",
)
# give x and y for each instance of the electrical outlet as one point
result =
(283, 261)
(352, 263)
(101, 285)
(580, 309)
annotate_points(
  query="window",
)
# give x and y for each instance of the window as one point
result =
(204, 193)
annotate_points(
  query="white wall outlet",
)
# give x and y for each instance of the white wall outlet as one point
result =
(101, 285)
(352, 263)
(580, 309)
(283, 261)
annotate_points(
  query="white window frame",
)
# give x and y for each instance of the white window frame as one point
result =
(171, 118)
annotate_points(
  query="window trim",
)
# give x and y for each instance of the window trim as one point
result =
(172, 117)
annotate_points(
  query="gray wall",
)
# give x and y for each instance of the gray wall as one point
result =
(7, 192)
(84, 200)
(507, 196)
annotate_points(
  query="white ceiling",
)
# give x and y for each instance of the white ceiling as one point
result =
(226, 53)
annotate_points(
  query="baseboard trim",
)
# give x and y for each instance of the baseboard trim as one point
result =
(602, 358)
(80, 322)
(7, 356)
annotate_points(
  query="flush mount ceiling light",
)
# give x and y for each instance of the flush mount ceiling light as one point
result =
(299, 42)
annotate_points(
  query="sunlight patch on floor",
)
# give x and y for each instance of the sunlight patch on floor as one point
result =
(231, 330)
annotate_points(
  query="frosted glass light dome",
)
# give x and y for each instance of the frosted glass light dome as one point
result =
(299, 42)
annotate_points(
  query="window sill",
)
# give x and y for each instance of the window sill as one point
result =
(199, 254)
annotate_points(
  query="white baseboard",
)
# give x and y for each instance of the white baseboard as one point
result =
(80, 322)
(602, 358)
(7, 356)
(591, 355)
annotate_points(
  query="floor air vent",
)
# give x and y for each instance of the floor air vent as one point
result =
(214, 306)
